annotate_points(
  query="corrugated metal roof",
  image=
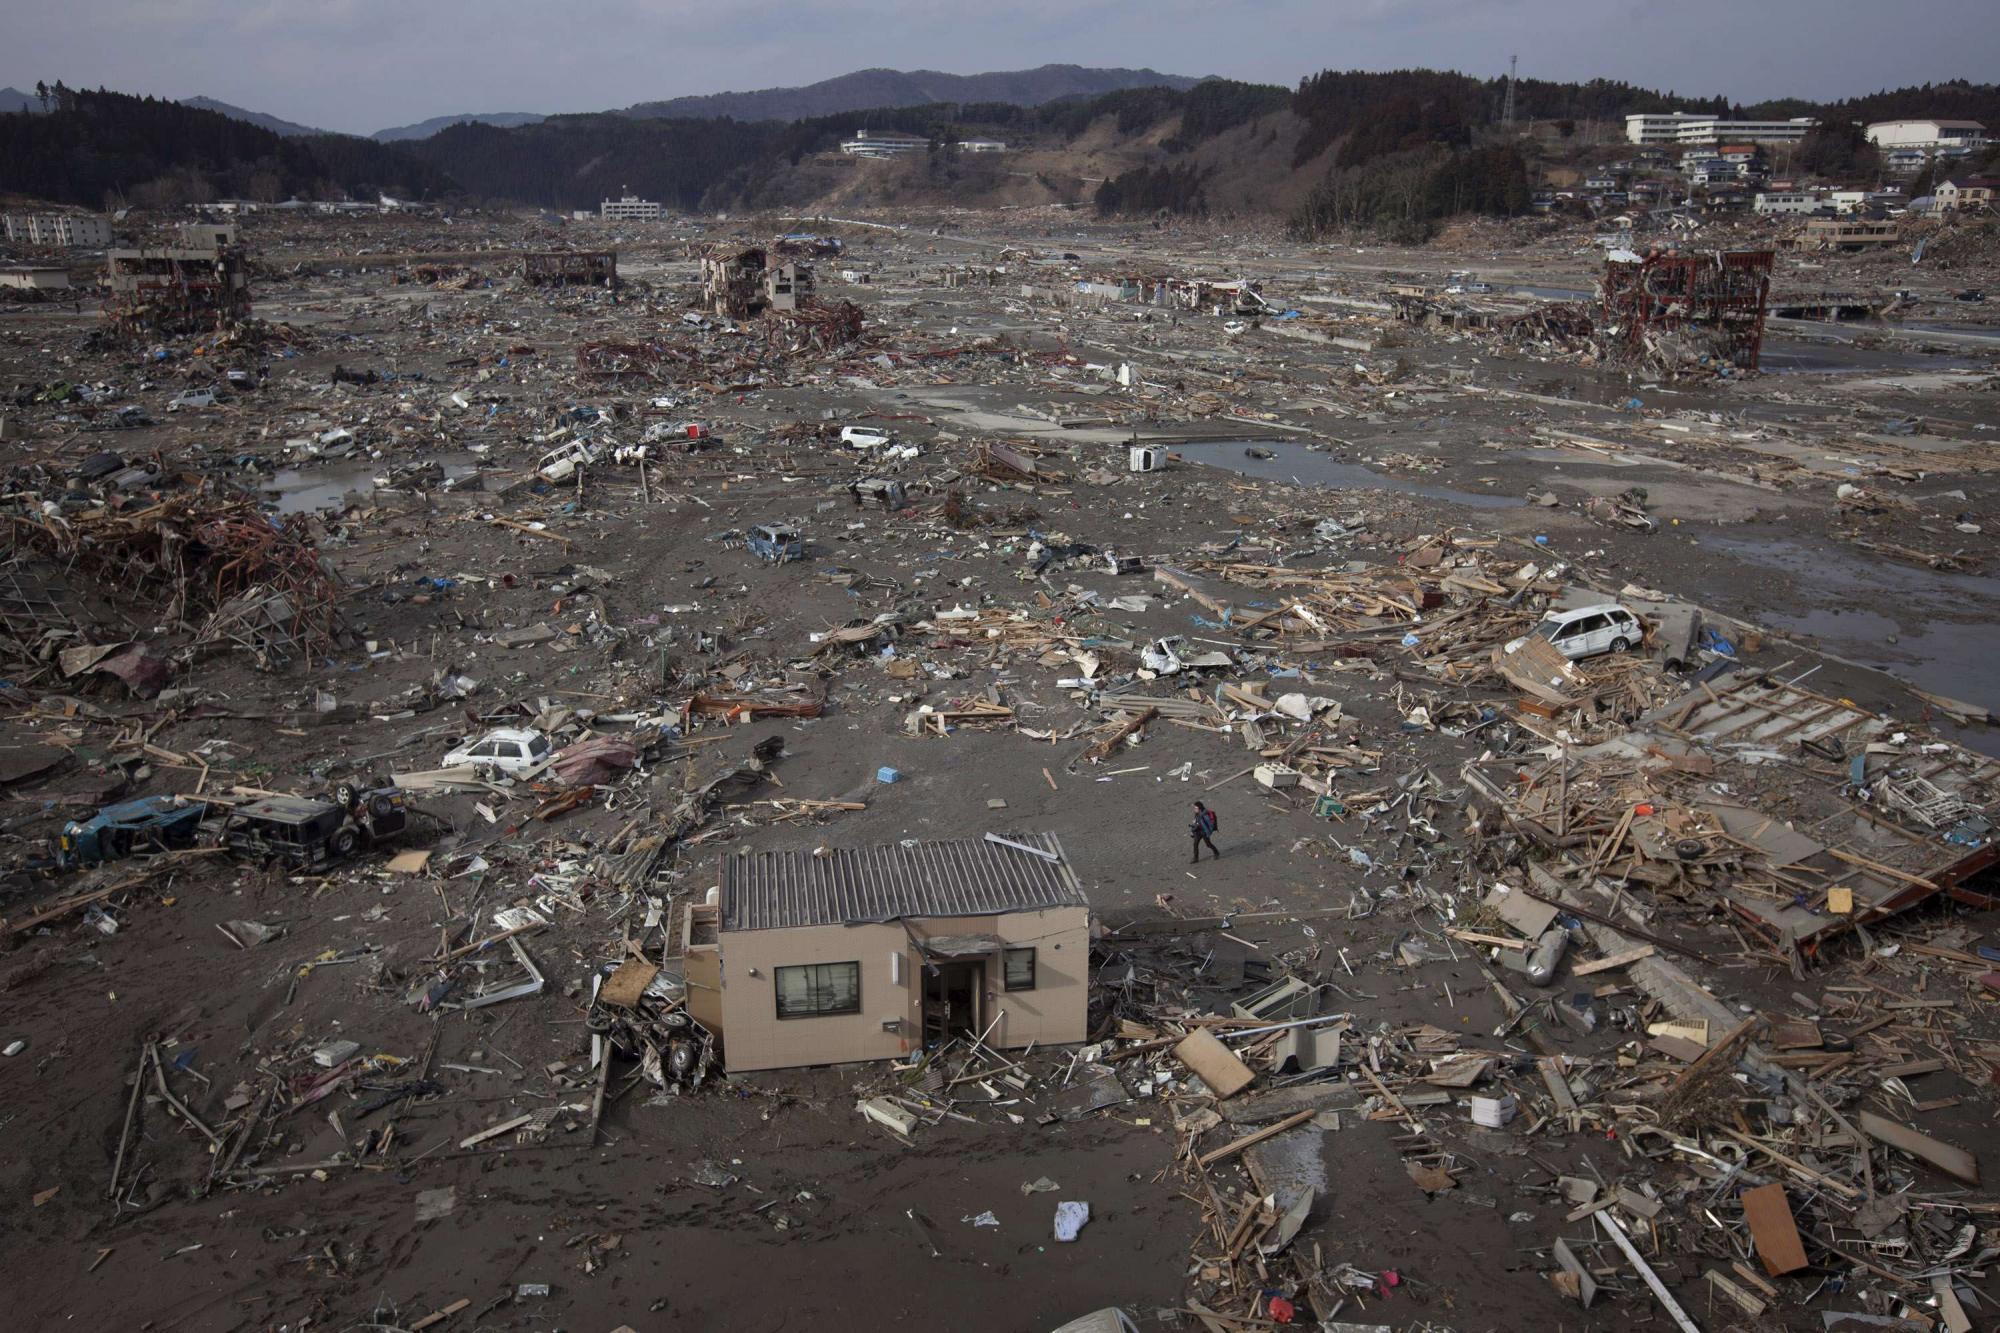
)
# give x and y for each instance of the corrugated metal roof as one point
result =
(773, 890)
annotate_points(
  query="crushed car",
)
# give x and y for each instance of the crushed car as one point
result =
(775, 543)
(304, 832)
(149, 824)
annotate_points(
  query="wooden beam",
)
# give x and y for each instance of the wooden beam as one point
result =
(1624, 959)
(1229, 1150)
(1953, 1161)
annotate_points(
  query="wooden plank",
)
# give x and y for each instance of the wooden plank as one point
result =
(1776, 1234)
(1954, 1162)
(1624, 959)
(1652, 1279)
(495, 1131)
(1218, 1066)
(439, 1316)
(1819, 1177)
(1558, 1083)
(1716, 1053)
(1228, 1150)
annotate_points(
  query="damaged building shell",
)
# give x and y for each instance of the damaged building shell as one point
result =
(570, 268)
(172, 291)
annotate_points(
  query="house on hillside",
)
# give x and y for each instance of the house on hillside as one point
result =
(1966, 193)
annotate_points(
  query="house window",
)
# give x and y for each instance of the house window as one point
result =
(1020, 969)
(814, 990)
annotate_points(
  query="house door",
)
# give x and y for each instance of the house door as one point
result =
(952, 993)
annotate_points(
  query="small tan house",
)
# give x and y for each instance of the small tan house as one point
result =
(870, 953)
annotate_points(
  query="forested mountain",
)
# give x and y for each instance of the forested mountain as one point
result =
(96, 148)
(870, 89)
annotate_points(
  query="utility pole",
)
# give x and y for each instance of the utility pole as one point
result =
(1507, 113)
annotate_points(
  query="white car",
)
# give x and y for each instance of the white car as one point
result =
(561, 462)
(863, 437)
(1587, 631)
(513, 751)
(191, 398)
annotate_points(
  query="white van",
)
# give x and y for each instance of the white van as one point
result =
(1587, 631)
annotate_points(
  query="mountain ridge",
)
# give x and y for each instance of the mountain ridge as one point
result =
(424, 129)
(263, 120)
(869, 89)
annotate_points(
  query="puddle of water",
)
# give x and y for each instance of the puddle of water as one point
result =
(1947, 626)
(1295, 463)
(303, 491)
(1818, 359)
(1958, 330)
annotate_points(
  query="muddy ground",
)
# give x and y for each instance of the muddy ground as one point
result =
(766, 1202)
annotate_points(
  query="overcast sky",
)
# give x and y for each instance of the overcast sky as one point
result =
(362, 65)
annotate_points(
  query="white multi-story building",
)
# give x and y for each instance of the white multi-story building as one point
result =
(1927, 134)
(74, 230)
(868, 144)
(1686, 127)
(981, 146)
(631, 208)
(1788, 201)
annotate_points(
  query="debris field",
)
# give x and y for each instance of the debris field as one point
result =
(1599, 735)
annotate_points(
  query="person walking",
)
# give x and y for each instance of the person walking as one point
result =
(1202, 828)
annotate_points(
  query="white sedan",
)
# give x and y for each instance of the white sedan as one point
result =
(513, 751)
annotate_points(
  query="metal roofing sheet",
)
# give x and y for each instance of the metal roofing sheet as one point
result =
(773, 890)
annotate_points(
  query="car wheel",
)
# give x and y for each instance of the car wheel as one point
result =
(344, 842)
(344, 795)
(381, 807)
(1619, 644)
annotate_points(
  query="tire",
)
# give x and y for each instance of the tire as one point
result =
(1620, 644)
(344, 842)
(345, 795)
(381, 807)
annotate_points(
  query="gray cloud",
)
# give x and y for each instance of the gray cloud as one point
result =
(362, 64)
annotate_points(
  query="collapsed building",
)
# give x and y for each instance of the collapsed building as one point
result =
(570, 268)
(172, 291)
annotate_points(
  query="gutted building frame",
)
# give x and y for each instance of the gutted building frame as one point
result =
(1680, 311)
(176, 290)
(870, 953)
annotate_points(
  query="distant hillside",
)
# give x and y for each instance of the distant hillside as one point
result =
(287, 128)
(868, 89)
(13, 99)
(100, 148)
(424, 129)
